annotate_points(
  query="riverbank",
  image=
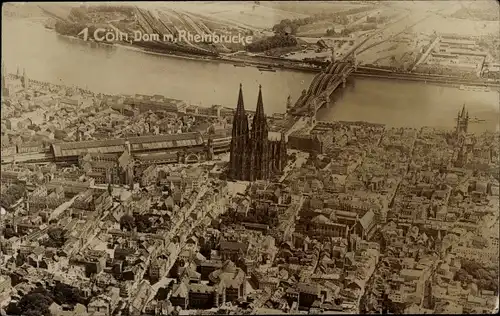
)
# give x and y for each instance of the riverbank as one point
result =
(172, 55)
(367, 72)
(370, 73)
(277, 63)
(439, 80)
(254, 61)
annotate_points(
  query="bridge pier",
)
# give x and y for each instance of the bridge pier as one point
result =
(344, 80)
(312, 113)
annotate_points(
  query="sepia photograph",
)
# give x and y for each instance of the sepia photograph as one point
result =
(250, 158)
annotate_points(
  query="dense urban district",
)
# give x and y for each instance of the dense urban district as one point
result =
(144, 205)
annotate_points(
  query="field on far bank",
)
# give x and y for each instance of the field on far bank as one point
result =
(34, 9)
(457, 26)
(319, 28)
(314, 7)
(244, 13)
(478, 10)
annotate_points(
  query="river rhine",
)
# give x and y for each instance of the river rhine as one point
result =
(47, 56)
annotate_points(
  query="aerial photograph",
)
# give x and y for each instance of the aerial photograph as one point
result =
(250, 158)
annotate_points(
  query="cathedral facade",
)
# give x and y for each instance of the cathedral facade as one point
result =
(255, 154)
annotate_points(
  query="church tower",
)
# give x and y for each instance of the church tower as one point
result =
(461, 135)
(461, 156)
(238, 161)
(259, 163)
(283, 154)
(209, 149)
(462, 121)
(24, 80)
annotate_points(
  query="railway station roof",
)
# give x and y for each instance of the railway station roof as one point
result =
(138, 143)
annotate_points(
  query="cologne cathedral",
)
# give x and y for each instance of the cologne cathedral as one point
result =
(255, 153)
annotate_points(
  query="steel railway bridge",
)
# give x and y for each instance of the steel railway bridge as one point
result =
(322, 87)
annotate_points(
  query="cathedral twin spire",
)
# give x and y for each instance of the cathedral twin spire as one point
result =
(259, 120)
(259, 162)
(240, 117)
(240, 139)
(249, 156)
(240, 108)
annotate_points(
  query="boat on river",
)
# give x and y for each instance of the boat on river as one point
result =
(266, 68)
(473, 88)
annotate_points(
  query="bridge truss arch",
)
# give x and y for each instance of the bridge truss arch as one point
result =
(334, 71)
(192, 158)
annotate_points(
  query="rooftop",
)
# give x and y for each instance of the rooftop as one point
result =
(118, 145)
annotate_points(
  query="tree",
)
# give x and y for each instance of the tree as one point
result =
(343, 20)
(9, 232)
(313, 156)
(461, 275)
(67, 294)
(143, 224)
(12, 194)
(206, 249)
(481, 274)
(57, 237)
(127, 222)
(35, 303)
(60, 134)
(486, 279)
(78, 14)
(162, 294)
(12, 309)
(69, 28)
(470, 266)
(277, 41)
(330, 32)
(174, 272)
(56, 233)
(20, 259)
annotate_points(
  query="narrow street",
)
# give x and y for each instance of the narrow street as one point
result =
(287, 226)
(214, 210)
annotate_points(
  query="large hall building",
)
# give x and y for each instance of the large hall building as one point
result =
(255, 153)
